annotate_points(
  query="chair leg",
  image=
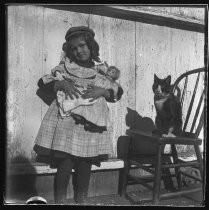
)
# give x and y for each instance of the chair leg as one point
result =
(199, 159)
(177, 169)
(123, 179)
(157, 180)
(123, 174)
(167, 179)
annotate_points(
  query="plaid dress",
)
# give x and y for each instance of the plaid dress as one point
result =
(70, 135)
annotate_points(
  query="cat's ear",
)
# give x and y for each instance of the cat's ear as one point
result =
(155, 77)
(168, 79)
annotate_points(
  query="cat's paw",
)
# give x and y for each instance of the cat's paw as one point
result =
(167, 149)
(171, 135)
(168, 135)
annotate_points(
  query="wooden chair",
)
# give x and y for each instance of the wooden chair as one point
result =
(155, 161)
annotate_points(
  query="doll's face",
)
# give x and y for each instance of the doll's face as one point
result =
(79, 49)
(111, 72)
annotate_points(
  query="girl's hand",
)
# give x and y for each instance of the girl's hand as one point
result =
(95, 92)
(68, 87)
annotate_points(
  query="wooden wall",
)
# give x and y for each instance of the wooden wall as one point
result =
(35, 37)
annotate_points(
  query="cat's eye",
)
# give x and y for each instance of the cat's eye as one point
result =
(165, 88)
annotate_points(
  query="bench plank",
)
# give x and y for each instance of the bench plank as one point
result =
(37, 168)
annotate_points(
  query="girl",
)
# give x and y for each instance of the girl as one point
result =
(67, 143)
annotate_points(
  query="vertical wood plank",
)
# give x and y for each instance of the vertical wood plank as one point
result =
(152, 57)
(15, 91)
(163, 51)
(187, 54)
(33, 66)
(24, 68)
(56, 23)
(116, 39)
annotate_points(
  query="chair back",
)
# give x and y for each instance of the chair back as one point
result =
(190, 87)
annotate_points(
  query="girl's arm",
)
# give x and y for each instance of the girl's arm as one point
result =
(59, 75)
(96, 92)
(60, 68)
(66, 85)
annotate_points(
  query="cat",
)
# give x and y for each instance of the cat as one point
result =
(168, 119)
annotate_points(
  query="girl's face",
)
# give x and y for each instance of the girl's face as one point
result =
(80, 50)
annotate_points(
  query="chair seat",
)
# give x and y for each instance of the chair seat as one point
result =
(148, 159)
(184, 139)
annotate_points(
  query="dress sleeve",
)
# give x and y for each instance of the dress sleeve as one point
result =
(59, 68)
(101, 68)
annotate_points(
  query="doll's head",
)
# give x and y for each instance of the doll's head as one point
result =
(80, 45)
(113, 73)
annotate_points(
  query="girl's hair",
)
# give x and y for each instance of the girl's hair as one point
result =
(91, 43)
(117, 72)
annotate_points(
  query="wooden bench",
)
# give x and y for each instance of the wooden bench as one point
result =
(41, 169)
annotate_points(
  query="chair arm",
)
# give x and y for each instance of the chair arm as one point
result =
(180, 140)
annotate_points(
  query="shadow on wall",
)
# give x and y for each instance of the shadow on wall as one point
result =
(133, 121)
(20, 187)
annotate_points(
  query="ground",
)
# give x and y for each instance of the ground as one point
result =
(142, 199)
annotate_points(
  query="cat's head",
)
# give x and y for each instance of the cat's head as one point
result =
(161, 87)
